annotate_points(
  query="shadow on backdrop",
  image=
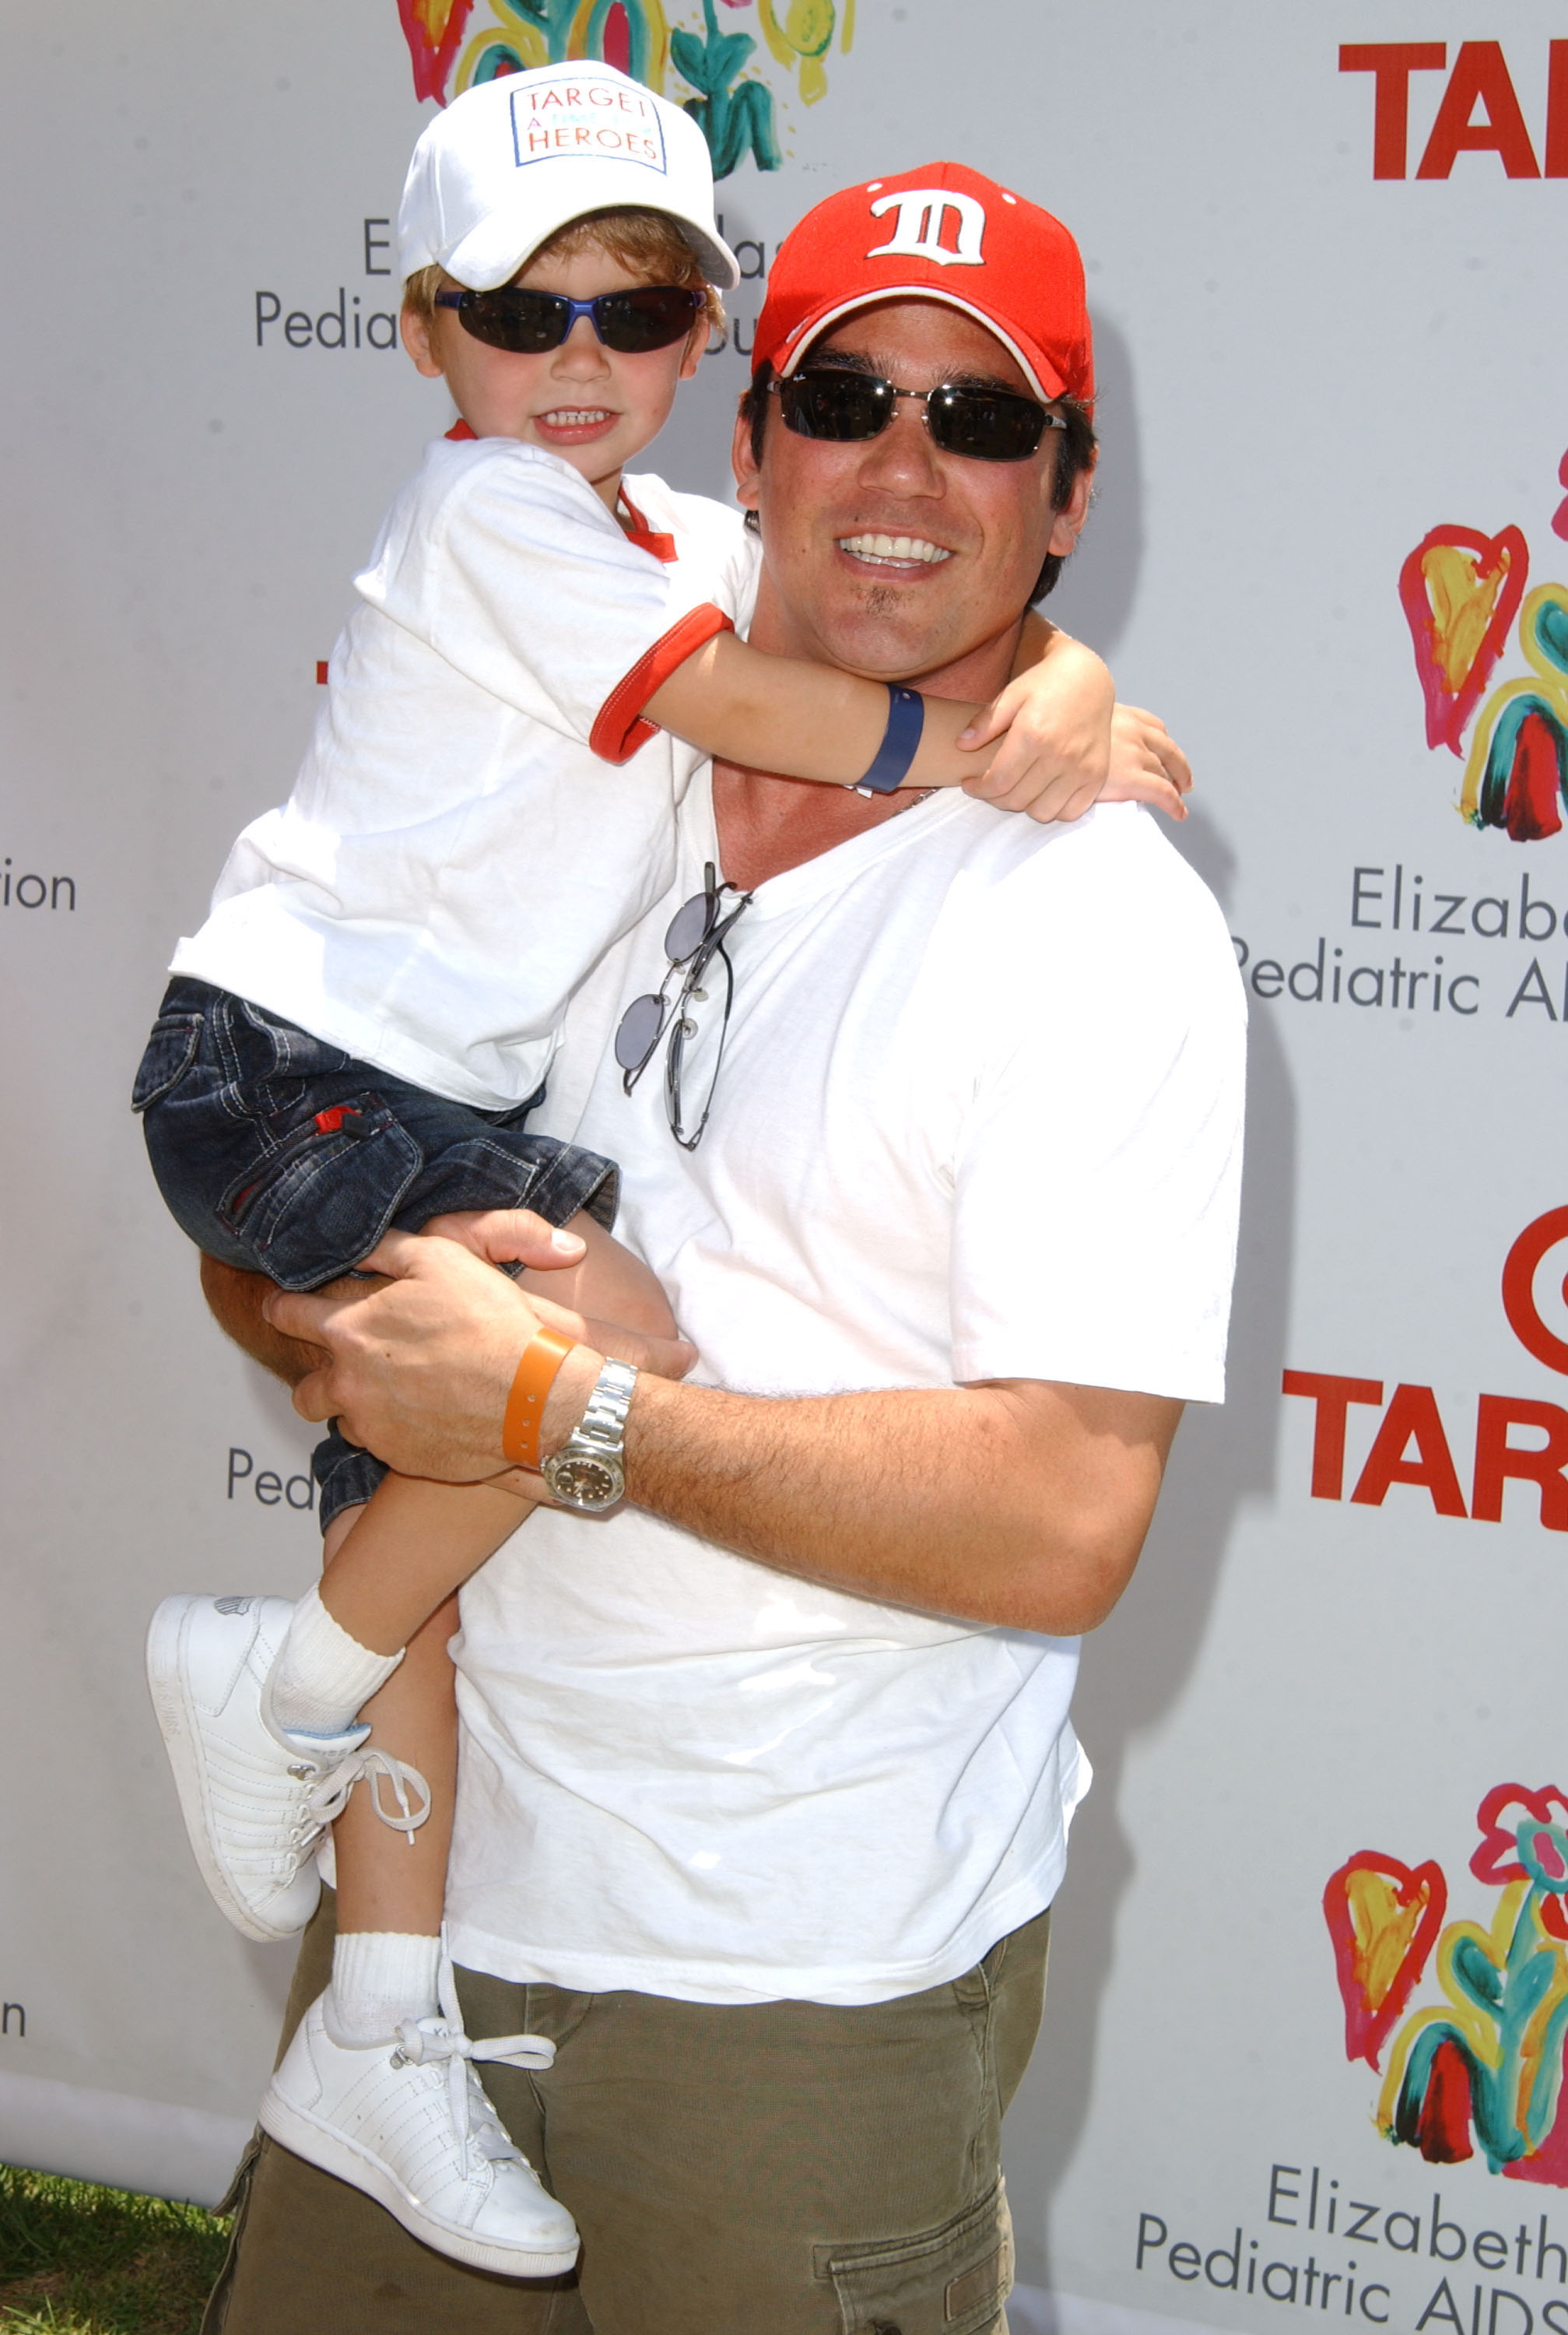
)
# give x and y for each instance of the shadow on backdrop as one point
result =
(1135, 1669)
(1100, 583)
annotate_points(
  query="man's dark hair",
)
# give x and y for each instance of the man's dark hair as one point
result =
(1075, 454)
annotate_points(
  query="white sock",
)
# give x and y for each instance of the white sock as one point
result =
(379, 1978)
(322, 1675)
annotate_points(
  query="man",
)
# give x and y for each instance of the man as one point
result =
(767, 1776)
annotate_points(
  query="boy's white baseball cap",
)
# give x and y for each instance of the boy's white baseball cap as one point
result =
(510, 161)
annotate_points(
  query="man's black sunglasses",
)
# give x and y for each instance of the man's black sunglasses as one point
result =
(988, 425)
(528, 324)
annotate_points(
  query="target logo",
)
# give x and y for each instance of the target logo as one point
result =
(1479, 110)
(1535, 1289)
(1518, 1440)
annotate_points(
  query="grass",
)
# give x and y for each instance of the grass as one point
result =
(78, 2260)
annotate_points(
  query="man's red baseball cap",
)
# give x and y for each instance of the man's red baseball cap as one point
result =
(939, 233)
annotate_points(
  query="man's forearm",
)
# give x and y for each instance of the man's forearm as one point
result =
(1020, 1503)
(1020, 1507)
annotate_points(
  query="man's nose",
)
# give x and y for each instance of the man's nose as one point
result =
(901, 460)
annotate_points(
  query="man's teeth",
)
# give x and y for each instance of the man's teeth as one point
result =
(574, 417)
(894, 548)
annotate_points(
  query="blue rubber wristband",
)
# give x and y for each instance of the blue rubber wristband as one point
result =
(900, 742)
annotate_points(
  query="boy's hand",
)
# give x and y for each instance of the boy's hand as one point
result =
(1147, 765)
(1056, 755)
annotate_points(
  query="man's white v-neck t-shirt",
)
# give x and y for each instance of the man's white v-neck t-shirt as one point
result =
(978, 1117)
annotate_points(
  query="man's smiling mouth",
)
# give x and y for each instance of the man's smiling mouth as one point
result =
(893, 550)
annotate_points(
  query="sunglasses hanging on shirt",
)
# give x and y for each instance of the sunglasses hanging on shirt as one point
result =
(529, 324)
(987, 425)
(694, 944)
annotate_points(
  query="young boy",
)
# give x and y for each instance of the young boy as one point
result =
(357, 1034)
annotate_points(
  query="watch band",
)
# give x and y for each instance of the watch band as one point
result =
(603, 1424)
(542, 1358)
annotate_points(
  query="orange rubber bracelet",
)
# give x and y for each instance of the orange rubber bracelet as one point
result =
(542, 1358)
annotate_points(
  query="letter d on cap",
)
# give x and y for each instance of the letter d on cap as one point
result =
(922, 214)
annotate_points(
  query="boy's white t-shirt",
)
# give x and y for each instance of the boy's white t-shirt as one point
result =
(978, 1117)
(481, 812)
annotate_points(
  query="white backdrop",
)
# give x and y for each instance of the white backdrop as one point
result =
(1326, 306)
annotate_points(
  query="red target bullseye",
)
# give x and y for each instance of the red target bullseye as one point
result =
(1519, 1289)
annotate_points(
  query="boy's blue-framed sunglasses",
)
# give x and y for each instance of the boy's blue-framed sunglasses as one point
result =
(528, 324)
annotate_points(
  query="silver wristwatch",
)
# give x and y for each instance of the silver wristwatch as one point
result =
(587, 1471)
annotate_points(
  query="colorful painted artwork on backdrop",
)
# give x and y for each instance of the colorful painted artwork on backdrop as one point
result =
(1482, 2069)
(450, 48)
(1461, 592)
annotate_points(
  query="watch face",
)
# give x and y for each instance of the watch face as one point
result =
(584, 1482)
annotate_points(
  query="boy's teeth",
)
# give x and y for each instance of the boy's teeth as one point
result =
(894, 548)
(572, 417)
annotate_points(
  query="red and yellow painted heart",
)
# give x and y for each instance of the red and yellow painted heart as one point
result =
(433, 29)
(1460, 591)
(1384, 1918)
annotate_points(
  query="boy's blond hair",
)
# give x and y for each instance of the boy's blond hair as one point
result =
(645, 243)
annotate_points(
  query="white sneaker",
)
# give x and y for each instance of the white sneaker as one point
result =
(255, 1800)
(409, 2123)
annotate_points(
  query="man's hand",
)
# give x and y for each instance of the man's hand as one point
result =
(237, 1299)
(414, 1362)
(420, 1364)
(508, 1237)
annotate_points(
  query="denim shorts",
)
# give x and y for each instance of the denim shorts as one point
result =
(283, 1155)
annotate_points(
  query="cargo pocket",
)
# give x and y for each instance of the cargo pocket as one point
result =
(325, 1196)
(235, 2200)
(952, 2280)
(171, 1052)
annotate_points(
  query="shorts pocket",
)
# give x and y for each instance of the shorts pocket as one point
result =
(325, 1196)
(171, 1052)
(952, 2280)
(275, 1060)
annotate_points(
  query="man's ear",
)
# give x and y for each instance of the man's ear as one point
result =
(1068, 523)
(419, 340)
(748, 477)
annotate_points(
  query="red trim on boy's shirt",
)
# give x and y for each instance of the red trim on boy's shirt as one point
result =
(620, 730)
(663, 546)
(645, 537)
(620, 727)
